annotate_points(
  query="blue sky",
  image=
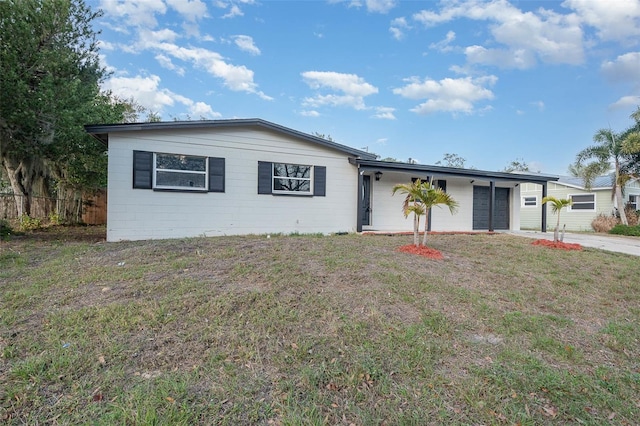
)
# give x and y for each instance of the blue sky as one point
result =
(490, 81)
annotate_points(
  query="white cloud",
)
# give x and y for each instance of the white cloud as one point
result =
(517, 58)
(539, 105)
(626, 102)
(106, 45)
(617, 20)
(234, 11)
(149, 37)
(375, 6)
(624, 68)
(380, 6)
(355, 102)
(385, 113)
(398, 26)
(352, 89)
(147, 92)
(103, 63)
(382, 141)
(444, 45)
(449, 95)
(191, 10)
(200, 109)
(233, 6)
(310, 113)
(544, 35)
(347, 83)
(136, 12)
(165, 62)
(144, 90)
(235, 77)
(396, 33)
(246, 44)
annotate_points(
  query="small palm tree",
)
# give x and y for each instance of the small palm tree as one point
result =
(556, 206)
(410, 205)
(430, 197)
(421, 197)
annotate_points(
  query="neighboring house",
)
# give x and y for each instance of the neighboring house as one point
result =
(250, 176)
(587, 203)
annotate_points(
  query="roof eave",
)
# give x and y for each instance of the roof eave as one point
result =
(98, 130)
(452, 171)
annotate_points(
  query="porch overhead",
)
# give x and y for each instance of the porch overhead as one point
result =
(492, 180)
(443, 172)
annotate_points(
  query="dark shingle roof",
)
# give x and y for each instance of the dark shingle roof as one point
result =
(101, 131)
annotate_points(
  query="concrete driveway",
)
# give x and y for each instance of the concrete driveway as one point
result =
(615, 243)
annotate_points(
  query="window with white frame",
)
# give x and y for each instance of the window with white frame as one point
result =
(633, 201)
(175, 171)
(292, 178)
(583, 202)
(530, 201)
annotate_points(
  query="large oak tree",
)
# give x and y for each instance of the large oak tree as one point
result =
(49, 83)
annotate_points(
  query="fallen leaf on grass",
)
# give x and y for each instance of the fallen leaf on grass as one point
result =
(171, 400)
(550, 411)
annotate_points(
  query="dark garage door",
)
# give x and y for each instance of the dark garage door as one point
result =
(481, 208)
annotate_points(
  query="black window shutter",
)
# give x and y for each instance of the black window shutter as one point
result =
(216, 174)
(142, 169)
(265, 177)
(442, 184)
(319, 181)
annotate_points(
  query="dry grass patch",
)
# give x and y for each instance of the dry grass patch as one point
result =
(315, 330)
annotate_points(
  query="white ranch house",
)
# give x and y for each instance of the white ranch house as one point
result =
(250, 176)
(587, 203)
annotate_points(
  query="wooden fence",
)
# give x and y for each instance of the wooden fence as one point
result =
(92, 210)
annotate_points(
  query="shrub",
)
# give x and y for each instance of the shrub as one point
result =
(55, 219)
(604, 223)
(28, 223)
(632, 215)
(632, 231)
(5, 228)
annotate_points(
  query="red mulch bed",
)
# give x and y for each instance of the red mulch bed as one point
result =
(421, 251)
(558, 245)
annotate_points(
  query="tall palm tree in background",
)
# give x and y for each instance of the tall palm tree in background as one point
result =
(612, 151)
(557, 205)
(421, 197)
(607, 153)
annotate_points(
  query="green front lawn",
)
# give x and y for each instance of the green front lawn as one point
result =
(293, 330)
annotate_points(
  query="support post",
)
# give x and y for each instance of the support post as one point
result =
(360, 198)
(544, 208)
(492, 203)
